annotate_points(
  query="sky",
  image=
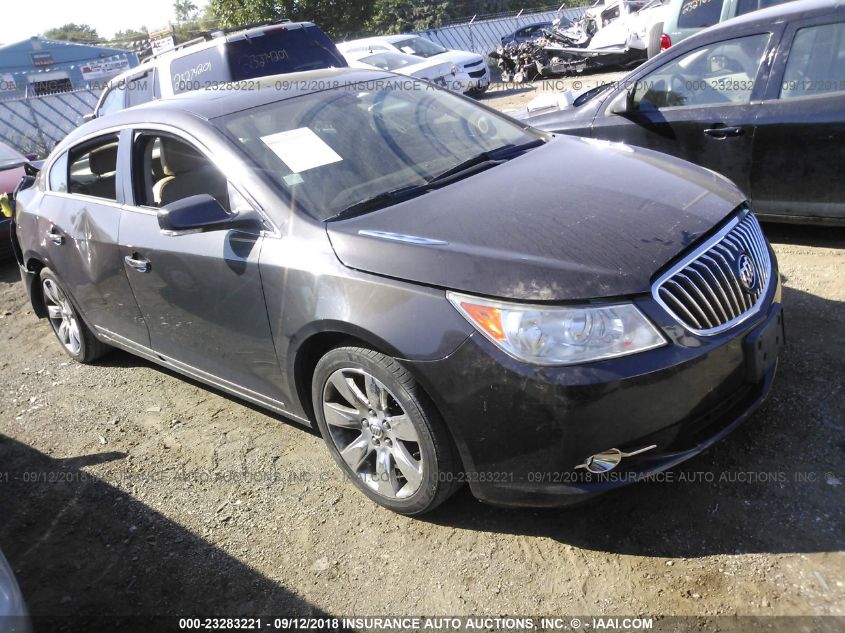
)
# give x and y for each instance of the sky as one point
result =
(22, 20)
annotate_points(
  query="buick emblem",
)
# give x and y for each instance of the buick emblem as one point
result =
(746, 273)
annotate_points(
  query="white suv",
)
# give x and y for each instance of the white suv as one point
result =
(233, 55)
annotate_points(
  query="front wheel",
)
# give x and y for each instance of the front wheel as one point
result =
(381, 430)
(77, 340)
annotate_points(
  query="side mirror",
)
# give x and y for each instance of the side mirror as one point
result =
(89, 117)
(623, 103)
(201, 213)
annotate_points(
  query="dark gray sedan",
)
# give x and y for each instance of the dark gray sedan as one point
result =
(348, 248)
(760, 99)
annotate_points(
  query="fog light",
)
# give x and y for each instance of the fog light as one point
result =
(607, 460)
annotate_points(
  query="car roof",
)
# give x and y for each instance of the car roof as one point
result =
(212, 41)
(212, 103)
(381, 38)
(787, 12)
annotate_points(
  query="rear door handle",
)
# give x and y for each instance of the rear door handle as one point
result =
(141, 265)
(56, 236)
(723, 132)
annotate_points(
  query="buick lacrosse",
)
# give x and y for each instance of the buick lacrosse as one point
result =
(409, 271)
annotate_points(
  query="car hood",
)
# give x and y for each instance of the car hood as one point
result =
(457, 57)
(573, 219)
(556, 112)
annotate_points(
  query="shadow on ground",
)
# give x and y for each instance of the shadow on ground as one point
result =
(84, 551)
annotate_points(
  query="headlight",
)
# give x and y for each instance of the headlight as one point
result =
(548, 335)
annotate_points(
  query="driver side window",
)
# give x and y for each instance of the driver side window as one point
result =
(166, 169)
(723, 73)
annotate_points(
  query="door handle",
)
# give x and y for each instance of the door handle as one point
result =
(141, 265)
(55, 236)
(723, 132)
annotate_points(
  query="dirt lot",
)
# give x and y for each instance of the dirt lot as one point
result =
(126, 489)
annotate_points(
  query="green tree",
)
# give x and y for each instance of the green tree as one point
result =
(185, 10)
(235, 12)
(401, 16)
(130, 35)
(73, 33)
(337, 19)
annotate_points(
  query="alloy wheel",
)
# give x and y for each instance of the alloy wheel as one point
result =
(62, 316)
(373, 433)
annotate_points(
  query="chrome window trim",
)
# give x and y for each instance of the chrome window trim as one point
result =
(141, 128)
(161, 127)
(694, 255)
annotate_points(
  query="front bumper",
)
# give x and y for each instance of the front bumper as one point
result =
(522, 429)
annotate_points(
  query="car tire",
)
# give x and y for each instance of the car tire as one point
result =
(382, 431)
(654, 34)
(75, 337)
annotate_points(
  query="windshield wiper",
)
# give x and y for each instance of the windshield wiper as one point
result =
(484, 159)
(380, 200)
(462, 169)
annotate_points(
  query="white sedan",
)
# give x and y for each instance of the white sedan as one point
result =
(472, 64)
(444, 74)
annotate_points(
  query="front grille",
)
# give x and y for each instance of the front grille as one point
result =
(722, 282)
(471, 64)
(475, 74)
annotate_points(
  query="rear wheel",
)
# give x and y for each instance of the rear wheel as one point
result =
(77, 340)
(381, 430)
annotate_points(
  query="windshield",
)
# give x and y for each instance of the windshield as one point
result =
(390, 61)
(8, 156)
(332, 149)
(419, 46)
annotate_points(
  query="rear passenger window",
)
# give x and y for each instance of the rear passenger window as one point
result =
(92, 168)
(696, 14)
(203, 69)
(816, 63)
(166, 169)
(58, 174)
(141, 89)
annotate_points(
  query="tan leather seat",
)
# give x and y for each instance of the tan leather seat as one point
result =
(102, 162)
(187, 173)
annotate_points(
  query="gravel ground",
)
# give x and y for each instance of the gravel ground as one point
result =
(126, 489)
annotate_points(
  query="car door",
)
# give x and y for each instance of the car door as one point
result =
(799, 146)
(82, 212)
(697, 106)
(200, 293)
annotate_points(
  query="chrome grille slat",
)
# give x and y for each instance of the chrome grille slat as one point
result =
(710, 316)
(671, 298)
(714, 302)
(740, 297)
(711, 289)
(733, 304)
(722, 304)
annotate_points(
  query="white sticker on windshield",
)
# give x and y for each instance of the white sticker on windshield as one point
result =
(301, 149)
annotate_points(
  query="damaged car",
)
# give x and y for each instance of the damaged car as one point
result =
(614, 33)
(356, 258)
